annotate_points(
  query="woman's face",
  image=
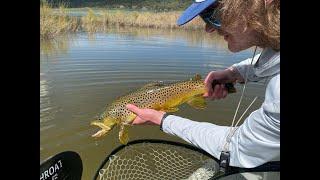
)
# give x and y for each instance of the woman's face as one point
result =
(236, 38)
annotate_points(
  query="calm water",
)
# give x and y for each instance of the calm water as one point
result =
(81, 73)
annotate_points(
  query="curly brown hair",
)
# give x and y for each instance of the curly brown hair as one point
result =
(256, 14)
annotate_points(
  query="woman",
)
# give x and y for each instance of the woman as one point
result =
(244, 24)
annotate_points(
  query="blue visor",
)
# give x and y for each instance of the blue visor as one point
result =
(194, 10)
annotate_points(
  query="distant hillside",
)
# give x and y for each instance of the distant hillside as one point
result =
(158, 5)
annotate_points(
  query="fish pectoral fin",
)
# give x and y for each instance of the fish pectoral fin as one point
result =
(197, 102)
(129, 119)
(110, 122)
(123, 134)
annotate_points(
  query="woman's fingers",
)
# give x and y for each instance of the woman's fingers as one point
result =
(138, 120)
(134, 109)
(216, 92)
(138, 112)
(208, 84)
(219, 92)
(220, 95)
(225, 93)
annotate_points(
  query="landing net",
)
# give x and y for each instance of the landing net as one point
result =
(158, 160)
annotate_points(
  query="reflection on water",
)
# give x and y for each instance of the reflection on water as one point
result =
(189, 37)
(59, 45)
(81, 74)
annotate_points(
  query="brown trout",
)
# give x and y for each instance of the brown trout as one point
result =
(159, 96)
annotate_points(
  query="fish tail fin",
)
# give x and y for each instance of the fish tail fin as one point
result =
(105, 126)
(123, 134)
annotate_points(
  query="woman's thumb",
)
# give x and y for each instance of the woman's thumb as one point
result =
(133, 108)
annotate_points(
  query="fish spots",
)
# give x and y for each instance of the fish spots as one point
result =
(153, 97)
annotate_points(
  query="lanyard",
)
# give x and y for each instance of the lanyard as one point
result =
(225, 153)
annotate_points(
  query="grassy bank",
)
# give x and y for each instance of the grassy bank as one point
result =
(92, 22)
(153, 5)
(52, 24)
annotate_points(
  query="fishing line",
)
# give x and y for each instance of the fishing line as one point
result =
(232, 127)
(246, 110)
(243, 89)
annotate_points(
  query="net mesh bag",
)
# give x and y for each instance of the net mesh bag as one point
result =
(156, 160)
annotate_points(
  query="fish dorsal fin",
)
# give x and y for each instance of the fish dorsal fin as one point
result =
(196, 77)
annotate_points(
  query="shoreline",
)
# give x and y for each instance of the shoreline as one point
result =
(55, 21)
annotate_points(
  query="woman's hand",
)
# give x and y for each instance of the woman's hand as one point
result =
(146, 116)
(221, 78)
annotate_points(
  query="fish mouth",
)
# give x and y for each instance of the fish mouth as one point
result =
(103, 131)
(100, 133)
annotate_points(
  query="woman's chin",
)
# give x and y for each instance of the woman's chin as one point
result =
(232, 48)
(235, 47)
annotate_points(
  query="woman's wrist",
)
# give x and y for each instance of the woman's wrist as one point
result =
(162, 119)
(234, 74)
(158, 118)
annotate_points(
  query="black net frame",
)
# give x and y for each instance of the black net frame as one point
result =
(273, 166)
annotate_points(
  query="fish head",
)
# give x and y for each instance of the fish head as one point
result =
(105, 122)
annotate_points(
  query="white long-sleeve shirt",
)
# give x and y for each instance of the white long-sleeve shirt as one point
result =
(257, 140)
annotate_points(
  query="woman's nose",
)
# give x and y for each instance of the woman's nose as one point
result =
(209, 29)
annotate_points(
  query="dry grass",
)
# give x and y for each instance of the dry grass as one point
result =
(90, 22)
(52, 24)
(144, 19)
